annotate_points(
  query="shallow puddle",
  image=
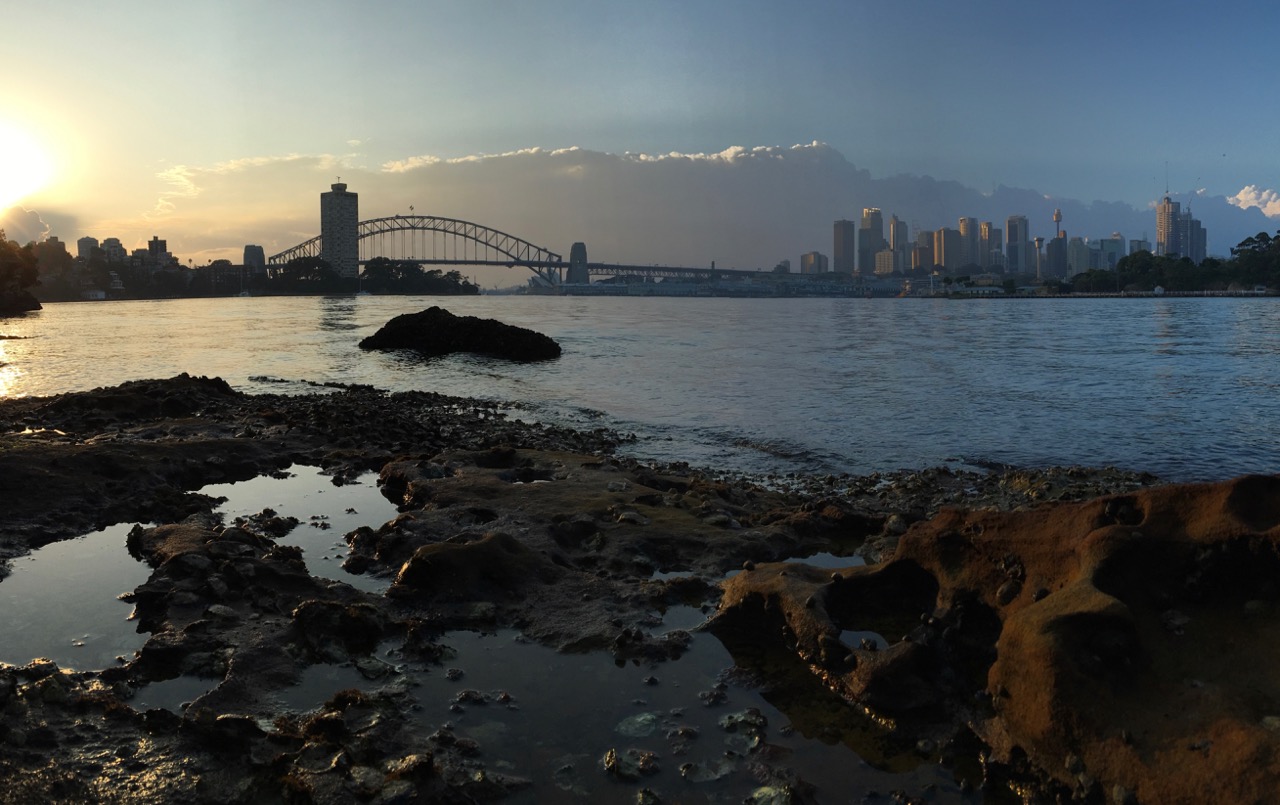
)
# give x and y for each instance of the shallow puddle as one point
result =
(326, 513)
(60, 602)
(707, 727)
(828, 560)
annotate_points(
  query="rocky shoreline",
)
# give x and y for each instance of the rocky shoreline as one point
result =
(1045, 630)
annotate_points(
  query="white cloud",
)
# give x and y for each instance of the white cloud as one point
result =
(1268, 201)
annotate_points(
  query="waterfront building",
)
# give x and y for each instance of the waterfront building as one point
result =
(85, 247)
(846, 246)
(813, 263)
(339, 230)
(1018, 245)
(870, 239)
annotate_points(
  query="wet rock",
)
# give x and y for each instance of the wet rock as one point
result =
(630, 764)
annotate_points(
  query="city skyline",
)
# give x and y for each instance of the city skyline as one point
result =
(220, 130)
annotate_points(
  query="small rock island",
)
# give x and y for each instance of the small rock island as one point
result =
(435, 331)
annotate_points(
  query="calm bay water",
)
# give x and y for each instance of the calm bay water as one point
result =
(1185, 388)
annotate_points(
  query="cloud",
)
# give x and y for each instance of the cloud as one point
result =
(742, 206)
(1268, 201)
(23, 226)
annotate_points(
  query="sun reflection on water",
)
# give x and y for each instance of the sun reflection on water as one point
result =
(9, 375)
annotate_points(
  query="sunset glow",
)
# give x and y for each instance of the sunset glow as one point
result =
(25, 167)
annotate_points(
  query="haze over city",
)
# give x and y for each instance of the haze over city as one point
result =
(663, 132)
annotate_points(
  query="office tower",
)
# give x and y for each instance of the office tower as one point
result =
(989, 236)
(948, 249)
(1055, 256)
(255, 257)
(1139, 245)
(886, 262)
(870, 239)
(85, 247)
(1168, 237)
(1110, 250)
(1077, 256)
(1191, 238)
(813, 263)
(1017, 251)
(968, 241)
(846, 246)
(899, 242)
(339, 230)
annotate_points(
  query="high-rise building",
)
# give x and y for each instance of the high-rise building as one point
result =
(886, 262)
(1178, 234)
(1192, 238)
(1055, 256)
(899, 242)
(1168, 238)
(85, 247)
(1018, 245)
(1139, 245)
(870, 239)
(813, 263)
(969, 240)
(339, 230)
(948, 249)
(1078, 260)
(989, 245)
(1110, 250)
(846, 246)
(254, 257)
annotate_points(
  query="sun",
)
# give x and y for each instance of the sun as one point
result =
(25, 166)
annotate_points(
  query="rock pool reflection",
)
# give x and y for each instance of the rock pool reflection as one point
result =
(325, 513)
(60, 602)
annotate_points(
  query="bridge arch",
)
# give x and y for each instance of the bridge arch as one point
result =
(454, 242)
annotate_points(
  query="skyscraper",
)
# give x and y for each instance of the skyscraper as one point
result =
(989, 245)
(1168, 218)
(846, 246)
(1018, 249)
(969, 240)
(339, 230)
(813, 263)
(899, 243)
(948, 249)
(870, 239)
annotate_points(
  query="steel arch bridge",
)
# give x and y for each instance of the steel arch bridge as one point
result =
(432, 240)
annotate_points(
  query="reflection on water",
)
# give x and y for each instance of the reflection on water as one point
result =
(1173, 386)
(60, 602)
(325, 512)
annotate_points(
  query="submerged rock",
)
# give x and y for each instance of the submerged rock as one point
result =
(436, 331)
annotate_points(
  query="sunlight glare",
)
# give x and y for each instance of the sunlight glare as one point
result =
(25, 166)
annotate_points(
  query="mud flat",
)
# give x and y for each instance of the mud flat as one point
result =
(554, 621)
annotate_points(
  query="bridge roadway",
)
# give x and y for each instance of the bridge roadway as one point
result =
(597, 269)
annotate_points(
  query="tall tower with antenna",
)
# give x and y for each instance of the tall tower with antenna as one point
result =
(1057, 224)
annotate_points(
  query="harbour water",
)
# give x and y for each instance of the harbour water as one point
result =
(1184, 388)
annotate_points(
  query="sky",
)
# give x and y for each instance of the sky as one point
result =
(676, 132)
